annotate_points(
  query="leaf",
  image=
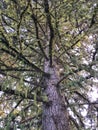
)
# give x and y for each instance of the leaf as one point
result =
(79, 44)
(15, 112)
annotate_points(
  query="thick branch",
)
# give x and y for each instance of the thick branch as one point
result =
(74, 122)
(22, 58)
(66, 76)
(32, 83)
(37, 36)
(81, 67)
(46, 8)
(19, 24)
(15, 69)
(21, 94)
(81, 95)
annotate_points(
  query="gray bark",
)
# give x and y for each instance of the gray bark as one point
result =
(55, 115)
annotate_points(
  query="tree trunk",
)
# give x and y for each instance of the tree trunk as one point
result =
(55, 115)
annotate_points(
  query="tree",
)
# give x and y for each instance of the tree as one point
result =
(48, 64)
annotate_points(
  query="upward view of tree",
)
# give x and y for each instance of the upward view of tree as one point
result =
(48, 64)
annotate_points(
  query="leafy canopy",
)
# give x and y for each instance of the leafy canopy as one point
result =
(68, 28)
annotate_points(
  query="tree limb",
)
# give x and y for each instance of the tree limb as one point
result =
(46, 8)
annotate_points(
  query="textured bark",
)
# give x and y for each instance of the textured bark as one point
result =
(55, 115)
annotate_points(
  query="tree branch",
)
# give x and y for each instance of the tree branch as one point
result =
(18, 54)
(46, 8)
(22, 58)
(21, 94)
(37, 36)
(18, 78)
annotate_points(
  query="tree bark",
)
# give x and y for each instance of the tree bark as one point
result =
(55, 115)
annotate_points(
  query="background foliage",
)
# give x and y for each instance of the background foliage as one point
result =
(25, 29)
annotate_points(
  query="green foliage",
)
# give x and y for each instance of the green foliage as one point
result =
(26, 31)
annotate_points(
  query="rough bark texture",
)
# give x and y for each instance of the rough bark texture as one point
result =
(55, 116)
